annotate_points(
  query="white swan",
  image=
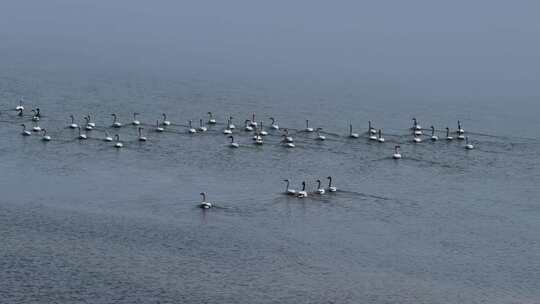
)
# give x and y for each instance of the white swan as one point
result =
(233, 144)
(230, 124)
(73, 125)
(88, 127)
(252, 122)
(373, 136)
(115, 123)
(287, 143)
(417, 139)
(397, 154)
(259, 140)
(261, 130)
(371, 130)
(286, 137)
(118, 143)
(81, 135)
(211, 119)
(289, 191)
(36, 127)
(191, 130)
(90, 123)
(308, 129)
(460, 136)
(35, 115)
(302, 193)
(319, 136)
(433, 136)
(202, 128)
(319, 189)
(204, 204)
(274, 125)
(141, 137)
(45, 137)
(351, 134)
(247, 127)
(459, 128)
(20, 107)
(448, 137)
(158, 127)
(135, 121)
(165, 122)
(330, 187)
(468, 146)
(107, 137)
(380, 138)
(24, 131)
(416, 126)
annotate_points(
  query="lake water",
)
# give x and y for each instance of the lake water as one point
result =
(83, 222)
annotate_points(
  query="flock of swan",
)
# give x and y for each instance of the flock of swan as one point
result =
(250, 125)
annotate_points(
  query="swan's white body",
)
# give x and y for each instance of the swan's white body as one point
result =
(330, 187)
(380, 139)
(204, 204)
(289, 145)
(115, 123)
(397, 154)
(302, 194)
(417, 132)
(118, 145)
(417, 139)
(351, 134)
(468, 145)
(211, 120)
(82, 136)
(259, 141)
(192, 131)
(461, 137)
(275, 127)
(227, 131)
(143, 138)
(46, 138)
(25, 132)
(320, 190)
(234, 145)
(287, 190)
(135, 122)
(248, 127)
(321, 137)
(36, 129)
(159, 128)
(289, 139)
(373, 137)
(108, 138)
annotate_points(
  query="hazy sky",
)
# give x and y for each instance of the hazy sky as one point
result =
(479, 44)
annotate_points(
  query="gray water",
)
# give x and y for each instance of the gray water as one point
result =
(83, 222)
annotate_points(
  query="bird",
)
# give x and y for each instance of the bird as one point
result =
(459, 128)
(202, 128)
(380, 138)
(448, 137)
(330, 187)
(228, 129)
(247, 127)
(88, 127)
(373, 136)
(36, 127)
(211, 119)
(165, 122)
(289, 191)
(45, 137)
(24, 131)
(261, 130)
(115, 123)
(73, 125)
(159, 128)
(259, 140)
(274, 125)
(118, 143)
(141, 137)
(20, 106)
(286, 143)
(302, 193)
(319, 189)
(81, 135)
(286, 137)
(397, 154)
(468, 146)
(351, 134)
(233, 144)
(319, 136)
(191, 129)
(416, 126)
(433, 136)
(90, 123)
(371, 130)
(417, 139)
(252, 122)
(135, 121)
(35, 116)
(230, 124)
(308, 129)
(204, 204)
(107, 137)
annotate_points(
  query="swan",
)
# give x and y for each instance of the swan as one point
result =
(448, 137)
(141, 137)
(319, 189)
(416, 126)
(115, 123)
(262, 131)
(191, 129)
(371, 130)
(20, 107)
(36, 127)
(468, 146)
(24, 131)
(308, 129)
(288, 190)
(247, 126)
(211, 119)
(118, 143)
(81, 135)
(233, 144)
(259, 140)
(90, 123)
(459, 128)
(228, 129)
(373, 136)
(35, 116)
(158, 127)
(230, 124)
(330, 187)
(286, 137)
(165, 121)
(302, 193)
(252, 122)
(107, 137)
(45, 137)
(135, 121)
(73, 125)
(202, 128)
(380, 138)
(274, 125)
(417, 139)
(351, 134)
(287, 144)
(433, 136)
(397, 154)
(88, 126)
(461, 136)
(319, 136)
(204, 204)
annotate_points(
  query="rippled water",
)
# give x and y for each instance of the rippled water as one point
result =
(84, 222)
